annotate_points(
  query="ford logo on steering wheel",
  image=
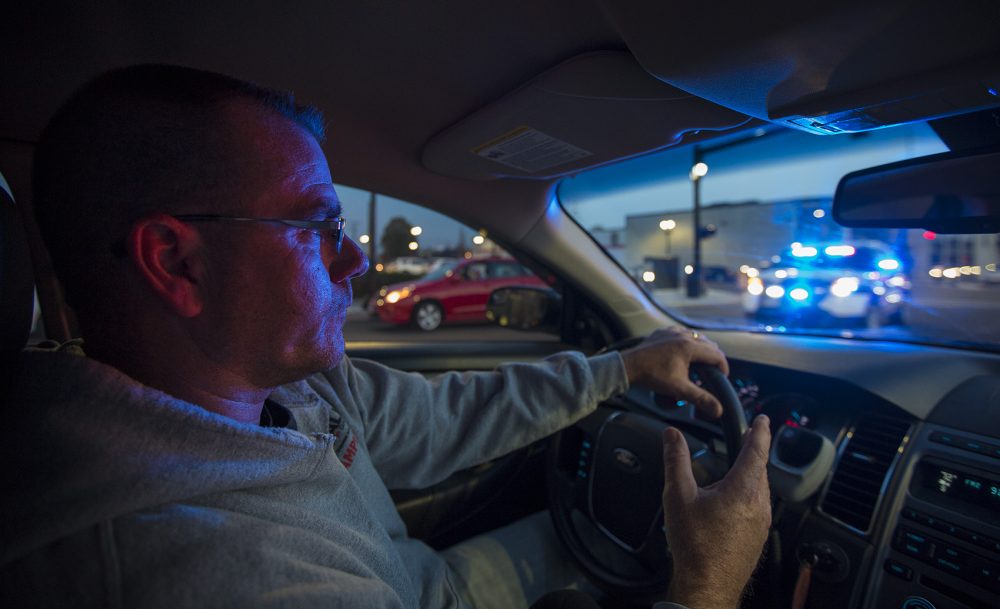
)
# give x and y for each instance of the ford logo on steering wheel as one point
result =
(627, 460)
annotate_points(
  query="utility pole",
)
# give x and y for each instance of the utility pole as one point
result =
(698, 171)
(372, 243)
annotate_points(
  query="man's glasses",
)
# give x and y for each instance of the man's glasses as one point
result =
(335, 226)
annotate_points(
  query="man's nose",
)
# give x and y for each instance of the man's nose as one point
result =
(350, 262)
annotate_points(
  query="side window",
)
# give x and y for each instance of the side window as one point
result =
(508, 269)
(426, 277)
(477, 271)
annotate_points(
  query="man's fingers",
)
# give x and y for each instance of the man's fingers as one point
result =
(679, 483)
(751, 464)
(706, 352)
(702, 400)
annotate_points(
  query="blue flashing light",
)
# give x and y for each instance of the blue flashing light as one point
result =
(889, 264)
(839, 250)
(993, 92)
(799, 294)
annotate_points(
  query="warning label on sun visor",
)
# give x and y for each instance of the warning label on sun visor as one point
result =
(529, 150)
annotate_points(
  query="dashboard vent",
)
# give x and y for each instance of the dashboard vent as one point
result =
(864, 465)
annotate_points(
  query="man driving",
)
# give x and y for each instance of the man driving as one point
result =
(211, 445)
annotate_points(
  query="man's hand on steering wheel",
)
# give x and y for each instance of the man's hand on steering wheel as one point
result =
(662, 360)
(715, 533)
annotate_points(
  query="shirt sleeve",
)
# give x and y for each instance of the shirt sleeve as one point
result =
(419, 431)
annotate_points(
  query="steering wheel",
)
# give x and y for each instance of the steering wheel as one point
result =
(605, 483)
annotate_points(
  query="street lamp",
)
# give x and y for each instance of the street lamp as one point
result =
(698, 170)
(416, 230)
(413, 245)
(668, 226)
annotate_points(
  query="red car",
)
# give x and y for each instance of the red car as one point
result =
(453, 292)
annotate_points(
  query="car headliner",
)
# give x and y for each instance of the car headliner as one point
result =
(390, 76)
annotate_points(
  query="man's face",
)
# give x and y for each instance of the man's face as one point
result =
(276, 296)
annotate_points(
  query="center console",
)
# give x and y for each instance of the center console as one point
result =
(943, 546)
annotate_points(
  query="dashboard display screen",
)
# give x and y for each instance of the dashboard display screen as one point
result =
(966, 487)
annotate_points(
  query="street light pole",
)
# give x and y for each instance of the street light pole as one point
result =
(694, 280)
(668, 226)
(372, 241)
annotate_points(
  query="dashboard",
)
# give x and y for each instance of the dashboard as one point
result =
(906, 513)
(925, 417)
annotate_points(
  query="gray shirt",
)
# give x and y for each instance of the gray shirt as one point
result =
(120, 495)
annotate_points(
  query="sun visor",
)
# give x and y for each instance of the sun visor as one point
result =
(843, 67)
(587, 111)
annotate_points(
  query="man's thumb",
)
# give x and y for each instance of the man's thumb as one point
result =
(679, 482)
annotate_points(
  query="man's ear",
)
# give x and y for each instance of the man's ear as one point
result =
(166, 253)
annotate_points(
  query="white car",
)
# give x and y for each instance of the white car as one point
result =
(863, 282)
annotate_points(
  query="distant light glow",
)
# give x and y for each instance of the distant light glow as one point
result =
(898, 281)
(804, 251)
(799, 294)
(935, 272)
(416, 230)
(468, 255)
(965, 270)
(873, 275)
(893, 298)
(776, 259)
(668, 224)
(688, 269)
(796, 245)
(755, 286)
(992, 92)
(413, 245)
(752, 272)
(839, 250)
(888, 264)
(991, 267)
(793, 272)
(699, 170)
(775, 291)
(878, 290)
(364, 239)
(379, 267)
(930, 235)
(977, 270)
(781, 273)
(649, 276)
(479, 239)
(951, 273)
(844, 286)
(818, 213)
(744, 268)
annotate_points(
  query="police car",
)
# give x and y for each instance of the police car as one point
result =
(862, 282)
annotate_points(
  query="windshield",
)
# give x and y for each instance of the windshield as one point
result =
(771, 257)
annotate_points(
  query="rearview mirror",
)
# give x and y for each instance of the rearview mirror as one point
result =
(946, 193)
(524, 308)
